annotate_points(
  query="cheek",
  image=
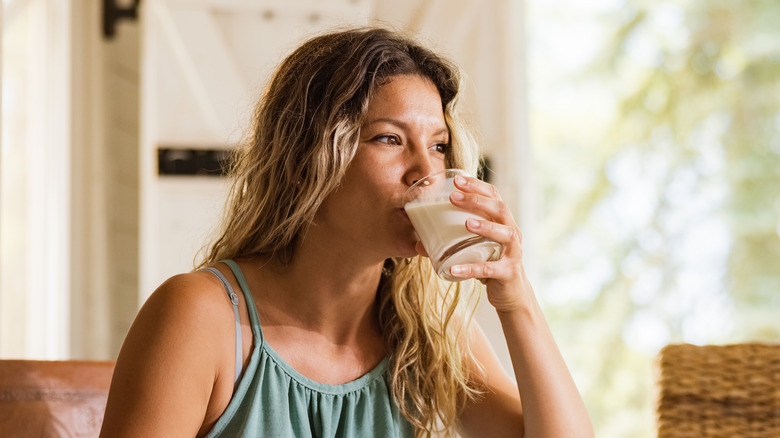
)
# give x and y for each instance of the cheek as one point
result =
(350, 203)
(372, 181)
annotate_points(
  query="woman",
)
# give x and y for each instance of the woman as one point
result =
(317, 312)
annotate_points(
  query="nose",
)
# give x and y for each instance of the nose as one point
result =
(419, 165)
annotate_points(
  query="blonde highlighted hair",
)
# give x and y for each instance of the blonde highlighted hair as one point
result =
(305, 134)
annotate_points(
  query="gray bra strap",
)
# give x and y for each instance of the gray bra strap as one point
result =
(234, 300)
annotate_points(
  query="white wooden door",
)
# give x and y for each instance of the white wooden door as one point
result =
(204, 63)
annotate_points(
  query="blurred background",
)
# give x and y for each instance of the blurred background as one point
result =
(638, 144)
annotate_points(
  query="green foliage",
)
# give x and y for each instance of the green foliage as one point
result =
(662, 211)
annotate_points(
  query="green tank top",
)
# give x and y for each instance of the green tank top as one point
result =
(271, 399)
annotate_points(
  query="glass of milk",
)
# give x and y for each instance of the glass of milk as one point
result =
(441, 226)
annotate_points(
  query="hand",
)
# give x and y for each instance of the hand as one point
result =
(507, 285)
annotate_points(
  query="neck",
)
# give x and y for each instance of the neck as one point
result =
(326, 288)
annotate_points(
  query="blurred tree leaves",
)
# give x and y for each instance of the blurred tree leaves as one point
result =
(660, 207)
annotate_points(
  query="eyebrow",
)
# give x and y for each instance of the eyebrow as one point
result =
(404, 125)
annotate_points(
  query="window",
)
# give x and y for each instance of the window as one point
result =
(656, 134)
(35, 176)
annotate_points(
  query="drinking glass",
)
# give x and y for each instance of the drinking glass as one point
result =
(441, 226)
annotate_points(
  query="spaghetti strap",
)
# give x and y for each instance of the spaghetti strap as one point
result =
(257, 330)
(234, 300)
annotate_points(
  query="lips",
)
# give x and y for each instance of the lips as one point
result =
(405, 217)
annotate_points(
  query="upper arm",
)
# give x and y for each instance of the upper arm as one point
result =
(169, 362)
(498, 411)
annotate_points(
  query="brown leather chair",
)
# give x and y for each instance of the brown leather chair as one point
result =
(53, 398)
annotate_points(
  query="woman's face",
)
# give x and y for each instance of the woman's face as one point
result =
(403, 138)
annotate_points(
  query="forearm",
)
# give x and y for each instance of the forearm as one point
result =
(552, 405)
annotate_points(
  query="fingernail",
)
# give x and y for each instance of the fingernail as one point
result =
(460, 180)
(473, 223)
(456, 270)
(457, 196)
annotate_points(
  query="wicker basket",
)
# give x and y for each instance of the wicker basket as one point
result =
(719, 391)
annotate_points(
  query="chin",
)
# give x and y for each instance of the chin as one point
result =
(407, 250)
(405, 241)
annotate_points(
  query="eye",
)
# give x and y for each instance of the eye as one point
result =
(387, 139)
(441, 147)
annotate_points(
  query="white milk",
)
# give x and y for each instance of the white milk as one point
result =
(441, 226)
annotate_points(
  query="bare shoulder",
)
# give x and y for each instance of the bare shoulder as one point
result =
(191, 294)
(189, 317)
(184, 305)
(171, 359)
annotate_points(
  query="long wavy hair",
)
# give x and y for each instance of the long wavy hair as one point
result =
(305, 134)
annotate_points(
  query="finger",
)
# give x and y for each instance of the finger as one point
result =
(484, 196)
(475, 185)
(486, 207)
(503, 234)
(482, 271)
